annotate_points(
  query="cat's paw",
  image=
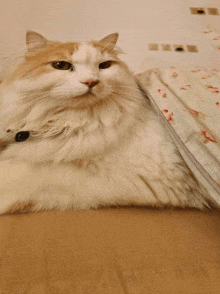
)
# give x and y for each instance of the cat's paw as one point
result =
(10, 204)
(17, 207)
(15, 189)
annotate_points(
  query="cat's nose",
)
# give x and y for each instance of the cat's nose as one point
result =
(91, 83)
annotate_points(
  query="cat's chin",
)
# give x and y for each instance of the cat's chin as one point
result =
(87, 94)
(87, 99)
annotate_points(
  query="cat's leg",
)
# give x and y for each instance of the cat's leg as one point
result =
(24, 188)
(31, 188)
(14, 188)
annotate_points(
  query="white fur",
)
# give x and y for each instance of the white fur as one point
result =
(85, 150)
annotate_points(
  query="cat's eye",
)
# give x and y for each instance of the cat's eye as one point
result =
(105, 64)
(62, 65)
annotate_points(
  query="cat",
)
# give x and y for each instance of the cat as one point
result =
(77, 133)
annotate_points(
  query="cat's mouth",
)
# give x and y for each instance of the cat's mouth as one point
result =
(87, 94)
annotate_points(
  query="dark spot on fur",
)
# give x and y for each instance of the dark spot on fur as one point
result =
(21, 207)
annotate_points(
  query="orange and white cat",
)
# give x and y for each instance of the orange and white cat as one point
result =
(77, 133)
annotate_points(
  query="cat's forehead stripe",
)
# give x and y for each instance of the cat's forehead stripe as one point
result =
(85, 53)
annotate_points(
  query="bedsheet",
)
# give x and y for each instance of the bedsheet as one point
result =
(188, 104)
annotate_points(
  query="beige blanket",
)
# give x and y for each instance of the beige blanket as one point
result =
(188, 103)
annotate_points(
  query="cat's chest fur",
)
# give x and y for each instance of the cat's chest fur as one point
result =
(101, 133)
(114, 153)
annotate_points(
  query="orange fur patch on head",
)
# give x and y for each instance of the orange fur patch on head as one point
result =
(21, 207)
(36, 63)
(104, 48)
(54, 49)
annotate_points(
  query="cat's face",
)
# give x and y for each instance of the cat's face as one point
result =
(84, 72)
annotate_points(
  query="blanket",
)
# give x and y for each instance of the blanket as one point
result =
(188, 104)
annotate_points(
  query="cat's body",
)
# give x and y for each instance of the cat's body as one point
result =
(94, 139)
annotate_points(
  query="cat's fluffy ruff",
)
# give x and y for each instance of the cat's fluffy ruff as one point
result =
(87, 146)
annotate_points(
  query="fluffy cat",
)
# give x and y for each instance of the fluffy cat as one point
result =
(77, 133)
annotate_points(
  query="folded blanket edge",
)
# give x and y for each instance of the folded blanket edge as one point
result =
(200, 173)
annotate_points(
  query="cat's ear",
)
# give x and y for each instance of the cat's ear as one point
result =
(110, 40)
(35, 41)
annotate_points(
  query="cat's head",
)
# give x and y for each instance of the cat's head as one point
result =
(78, 91)
(80, 72)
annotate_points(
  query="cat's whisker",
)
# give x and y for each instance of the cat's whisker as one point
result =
(125, 96)
(130, 88)
(122, 95)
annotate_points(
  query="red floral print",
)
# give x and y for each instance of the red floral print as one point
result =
(175, 74)
(186, 87)
(213, 89)
(208, 136)
(207, 31)
(194, 112)
(162, 93)
(167, 114)
(218, 104)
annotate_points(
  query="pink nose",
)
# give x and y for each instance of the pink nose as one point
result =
(91, 83)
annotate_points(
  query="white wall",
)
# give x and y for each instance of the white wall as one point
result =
(139, 22)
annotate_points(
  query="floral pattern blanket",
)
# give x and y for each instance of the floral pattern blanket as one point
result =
(189, 100)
